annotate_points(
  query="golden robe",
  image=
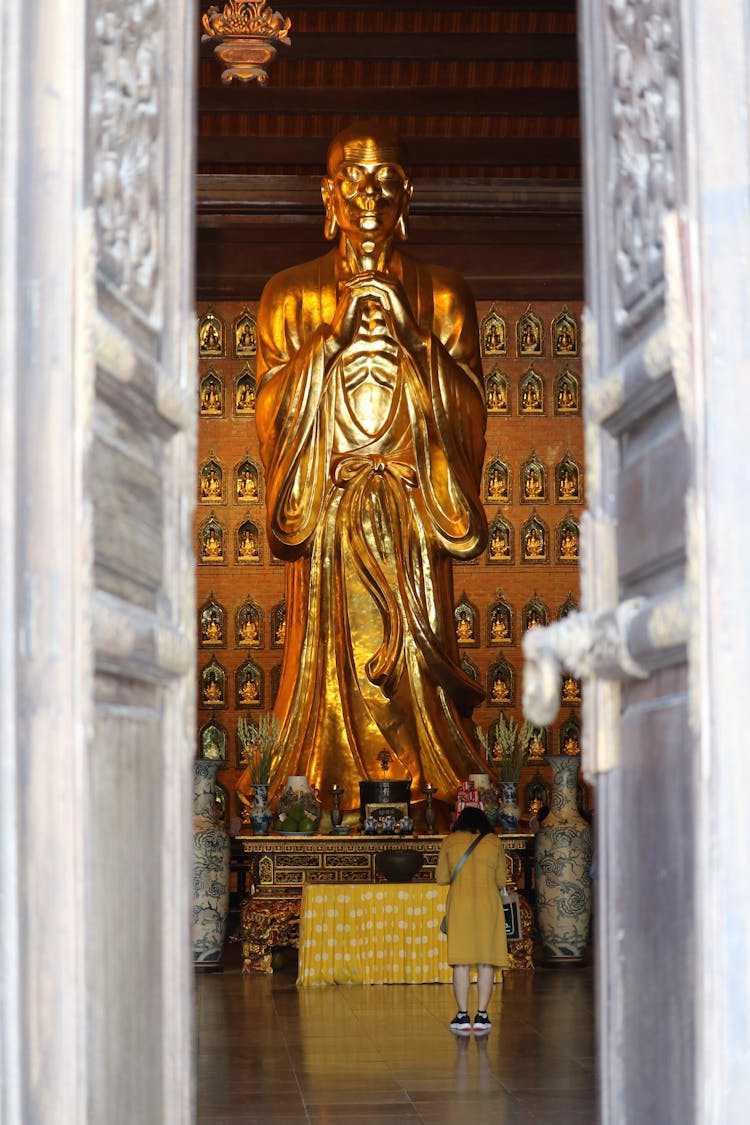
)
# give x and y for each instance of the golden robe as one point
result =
(373, 476)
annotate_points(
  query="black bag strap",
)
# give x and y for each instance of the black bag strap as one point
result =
(465, 856)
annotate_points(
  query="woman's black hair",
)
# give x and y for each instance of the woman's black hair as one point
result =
(472, 819)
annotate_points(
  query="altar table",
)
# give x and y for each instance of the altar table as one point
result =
(276, 870)
(385, 933)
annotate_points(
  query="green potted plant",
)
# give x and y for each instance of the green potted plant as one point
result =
(513, 743)
(261, 751)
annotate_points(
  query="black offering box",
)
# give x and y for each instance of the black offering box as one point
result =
(384, 798)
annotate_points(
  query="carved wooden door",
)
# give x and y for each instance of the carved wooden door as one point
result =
(96, 587)
(663, 640)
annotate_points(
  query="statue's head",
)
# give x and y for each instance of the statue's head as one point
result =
(367, 189)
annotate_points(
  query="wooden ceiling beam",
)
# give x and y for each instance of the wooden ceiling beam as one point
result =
(491, 6)
(435, 47)
(439, 151)
(232, 199)
(417, 101)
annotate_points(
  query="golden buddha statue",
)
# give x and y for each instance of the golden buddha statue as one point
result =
(499, 628)
(571, 690)
(249, 691)
(464, 627)
(568, 485)
(210, 485)
(212, 628)
(530, 399)
(212, 545)
(571, 746)
(500, 693)
(210, 399)
(499, 548)
(248, 548)
(249, 631)
(371, 414)
(536, 748)
(245, 398)
(212, 690)
(533, 485)
(534, 544)
(569, 545)
(498, 486)
(566, 399)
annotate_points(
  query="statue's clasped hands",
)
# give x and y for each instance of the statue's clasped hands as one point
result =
(388, 292)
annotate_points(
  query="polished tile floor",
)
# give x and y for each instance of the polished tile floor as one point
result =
(383, 1055)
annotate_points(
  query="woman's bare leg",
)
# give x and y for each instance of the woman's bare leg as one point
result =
(461, 986)
(485, 981)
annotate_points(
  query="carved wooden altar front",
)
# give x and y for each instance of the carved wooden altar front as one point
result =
(272, 870)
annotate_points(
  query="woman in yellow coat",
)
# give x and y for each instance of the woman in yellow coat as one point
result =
(474, 912)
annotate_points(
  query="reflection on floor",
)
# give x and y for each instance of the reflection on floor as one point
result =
(269, 1052)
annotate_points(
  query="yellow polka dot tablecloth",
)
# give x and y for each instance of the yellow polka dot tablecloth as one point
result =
(384, 933)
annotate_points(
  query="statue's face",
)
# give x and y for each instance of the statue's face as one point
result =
(368, 192)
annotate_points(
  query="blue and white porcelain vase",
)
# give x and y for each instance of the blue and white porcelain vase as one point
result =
(509, 813)
(562, 863)
(210, 868)
(260, 814)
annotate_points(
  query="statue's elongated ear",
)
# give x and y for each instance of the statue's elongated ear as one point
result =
(331, 225)
(401, 227)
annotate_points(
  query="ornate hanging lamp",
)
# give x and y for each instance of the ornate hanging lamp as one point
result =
(246, 34)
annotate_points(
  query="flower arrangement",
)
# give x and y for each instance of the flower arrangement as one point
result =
(513, 743)
(260, 744)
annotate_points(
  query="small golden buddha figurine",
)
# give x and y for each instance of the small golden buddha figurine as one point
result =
(499, 628)
(534, 544)
(500, 693)
(464, 627)
(564, 343)
(281, 631)
(210, 485)
(494, 338)
(497, 398)
(530, 399)
(499, 547)
(571, 690)
(530, 337)
(245, 338)
(248, 631)
(212, 692)
(209, 337)
(247, 489)
(248, 548)
(566, 399)
(212, 750)
(212, 628)
(568, 545)
(536, 748)
(568, 485)
(249, 691)
(210, 399)
(533, 484)
(212, 545)
(498, 486)
(245, 398)
(571, 746)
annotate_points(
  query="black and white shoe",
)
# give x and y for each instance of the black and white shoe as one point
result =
(482, 1023)
(461, 1023)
